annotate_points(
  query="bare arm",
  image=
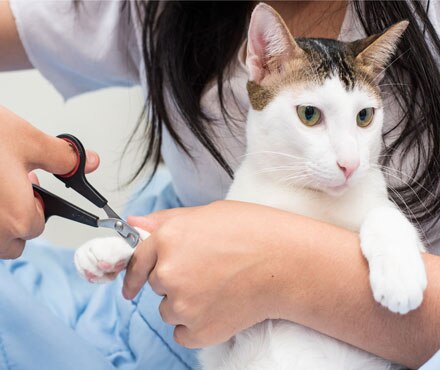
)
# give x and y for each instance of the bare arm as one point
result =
(330, 292)
(258, 263)
(12, 53)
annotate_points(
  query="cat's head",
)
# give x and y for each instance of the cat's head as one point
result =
(316, 117)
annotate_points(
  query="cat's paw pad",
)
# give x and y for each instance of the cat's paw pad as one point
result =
(398, 283)
(101, 260)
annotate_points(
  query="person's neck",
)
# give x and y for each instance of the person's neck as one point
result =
(312, 18)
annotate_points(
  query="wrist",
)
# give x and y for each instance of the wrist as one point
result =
(284, 246)
(301, 263)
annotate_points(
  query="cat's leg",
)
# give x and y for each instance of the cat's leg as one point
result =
(101, 260)
(392, 246)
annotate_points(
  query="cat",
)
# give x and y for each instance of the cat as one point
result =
(313, 143)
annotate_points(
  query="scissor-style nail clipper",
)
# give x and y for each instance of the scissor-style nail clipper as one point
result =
(76, 179)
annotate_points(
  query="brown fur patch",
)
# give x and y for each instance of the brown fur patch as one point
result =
(259, 96)
(313, 67)
(290, 73)
(312, 61)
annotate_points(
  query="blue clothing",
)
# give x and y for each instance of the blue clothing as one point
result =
(433, 363)
(51, 319)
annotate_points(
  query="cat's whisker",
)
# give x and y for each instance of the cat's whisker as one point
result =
(270, 170)
(274, 153)
(295, 177)
(401, 198)
(393, 84)
(386, 168)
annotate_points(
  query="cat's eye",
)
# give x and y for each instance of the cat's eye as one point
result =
(308, 114)
(364, 117)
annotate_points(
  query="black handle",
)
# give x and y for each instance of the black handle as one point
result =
(76, 179)
(56, 206)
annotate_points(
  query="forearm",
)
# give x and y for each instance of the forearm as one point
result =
(326, 287)
(12, 54)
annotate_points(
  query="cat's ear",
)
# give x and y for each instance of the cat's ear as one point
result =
(376, 51)
(269, 43)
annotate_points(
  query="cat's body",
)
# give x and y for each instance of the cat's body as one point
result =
(324, 167)
(313, 144)
(364, 207)
(282, 345)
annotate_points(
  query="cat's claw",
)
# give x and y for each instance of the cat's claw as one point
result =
(100, 260)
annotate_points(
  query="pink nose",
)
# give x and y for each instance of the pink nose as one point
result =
(348, 168)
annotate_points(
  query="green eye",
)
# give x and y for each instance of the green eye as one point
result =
(364, 117)
(308, 115)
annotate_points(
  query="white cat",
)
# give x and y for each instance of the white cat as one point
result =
(313, 142)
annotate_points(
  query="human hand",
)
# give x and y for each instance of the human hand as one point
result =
(23, 149)
(217, 267)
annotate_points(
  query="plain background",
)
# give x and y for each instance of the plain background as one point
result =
(102, 120)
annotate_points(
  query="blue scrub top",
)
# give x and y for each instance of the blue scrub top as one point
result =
(51, 319)
(433, 363)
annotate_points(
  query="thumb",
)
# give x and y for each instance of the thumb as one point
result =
(57, 156)
(154, 220)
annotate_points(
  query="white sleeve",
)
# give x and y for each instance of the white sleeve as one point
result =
(80, 47)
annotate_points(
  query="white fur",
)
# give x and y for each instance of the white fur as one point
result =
(294, 167)
(100, 260)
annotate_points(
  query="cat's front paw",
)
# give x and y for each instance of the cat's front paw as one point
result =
(101, 260)
(398, 284)
(397, 272)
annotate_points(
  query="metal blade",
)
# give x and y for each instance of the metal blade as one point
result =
(130, 235)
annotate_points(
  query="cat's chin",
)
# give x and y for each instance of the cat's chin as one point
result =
(336, 191)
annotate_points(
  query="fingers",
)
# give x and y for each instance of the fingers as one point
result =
(33, 178)
(53, 155)
(166, 312)
(155, 283)
(92, 162)
(37, 226)
(182, 336)
(12, 249)
(154, 220)
(57, 156)
(139, 268)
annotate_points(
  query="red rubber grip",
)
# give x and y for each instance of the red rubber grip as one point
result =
(71, 173)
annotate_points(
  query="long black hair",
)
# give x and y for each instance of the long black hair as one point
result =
(188, 44)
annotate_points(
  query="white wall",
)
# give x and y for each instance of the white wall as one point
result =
(102, 120)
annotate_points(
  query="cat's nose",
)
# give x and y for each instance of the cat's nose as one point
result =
(348, 167)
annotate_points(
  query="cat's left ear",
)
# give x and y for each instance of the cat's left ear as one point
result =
(376, 51)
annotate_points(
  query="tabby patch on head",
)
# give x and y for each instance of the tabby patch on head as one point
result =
(275, 59)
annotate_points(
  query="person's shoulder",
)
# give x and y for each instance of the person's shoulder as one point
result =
(83, 45)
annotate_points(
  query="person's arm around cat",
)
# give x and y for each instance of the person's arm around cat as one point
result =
(249, 263)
